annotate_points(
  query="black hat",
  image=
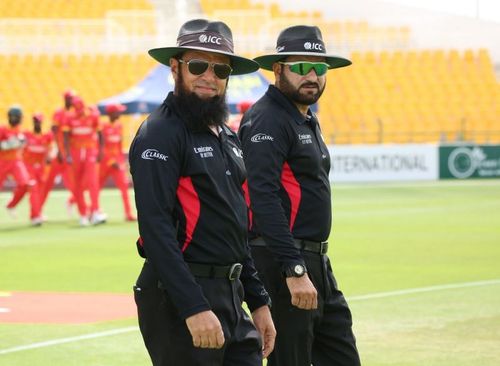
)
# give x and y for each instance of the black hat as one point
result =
(204, 35)
(300, 40)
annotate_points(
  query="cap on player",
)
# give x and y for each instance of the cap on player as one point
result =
(113, 108)
(15, 110)
(38, 116)
(69, 93)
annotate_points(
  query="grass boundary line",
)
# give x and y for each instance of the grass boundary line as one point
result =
(416, 290)
(54, 342)
(350, 298)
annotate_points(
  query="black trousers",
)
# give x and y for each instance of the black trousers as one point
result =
(321, 337)
(167, 337)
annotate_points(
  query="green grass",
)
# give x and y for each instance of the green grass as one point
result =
(386, 237)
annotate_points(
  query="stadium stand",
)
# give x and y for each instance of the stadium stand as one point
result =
(413, 96)
(392, 93)
(57, 9)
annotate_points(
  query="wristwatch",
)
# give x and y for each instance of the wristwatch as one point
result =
(295, 270)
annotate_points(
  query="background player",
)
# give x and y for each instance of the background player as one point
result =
(58, 164)
(12, 142)
(83, 151)
(35, 156)
(113, 161)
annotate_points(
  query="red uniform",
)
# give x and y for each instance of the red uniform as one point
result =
(58, 165)
(83, 131)
(11, 162)
(35, 158)
(113, 163)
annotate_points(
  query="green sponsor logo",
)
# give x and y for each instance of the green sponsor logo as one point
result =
(462, 162)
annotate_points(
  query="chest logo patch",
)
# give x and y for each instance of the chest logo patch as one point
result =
(151, 154)
(261, 137)
(204, 151)
(305, 138)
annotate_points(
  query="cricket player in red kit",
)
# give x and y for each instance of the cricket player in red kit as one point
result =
(12, 142)
(113, 161)
(83, 148)
(58, 164)
(35, 157)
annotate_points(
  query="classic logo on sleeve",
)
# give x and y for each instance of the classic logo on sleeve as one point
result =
(151, 154)
(261, 137)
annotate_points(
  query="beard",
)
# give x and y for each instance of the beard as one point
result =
(200, 113)
(294, 93)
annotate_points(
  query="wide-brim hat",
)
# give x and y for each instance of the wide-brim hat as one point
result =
(204, 35)
(301, 40)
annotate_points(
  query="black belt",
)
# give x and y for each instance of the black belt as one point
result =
(231, 272)
(320, 247)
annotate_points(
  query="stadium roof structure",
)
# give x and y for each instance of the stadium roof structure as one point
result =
(149, 93)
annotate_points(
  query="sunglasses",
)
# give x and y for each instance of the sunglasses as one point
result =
(198, 67)
(304, 67)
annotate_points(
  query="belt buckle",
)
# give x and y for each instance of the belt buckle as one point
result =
(235, 271)
(323, 247)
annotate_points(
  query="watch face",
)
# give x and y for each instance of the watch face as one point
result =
(299, 270)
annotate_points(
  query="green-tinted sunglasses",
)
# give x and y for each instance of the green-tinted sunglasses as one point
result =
(304, 67)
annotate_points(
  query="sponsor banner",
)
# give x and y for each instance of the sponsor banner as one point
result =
(469, 161)
(372, 163)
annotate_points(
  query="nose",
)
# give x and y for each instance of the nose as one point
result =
(209, 73)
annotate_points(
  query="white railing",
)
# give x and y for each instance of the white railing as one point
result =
(119, 32)
(134, 31)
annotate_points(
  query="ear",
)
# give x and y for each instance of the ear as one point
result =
(174, 67)
(277, 71)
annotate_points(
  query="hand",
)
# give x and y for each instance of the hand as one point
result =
(304, 294)
(264, 324)
(206, 330)
(69, 159)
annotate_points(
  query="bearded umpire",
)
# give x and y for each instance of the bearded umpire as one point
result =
(288, 165)
(188, 172)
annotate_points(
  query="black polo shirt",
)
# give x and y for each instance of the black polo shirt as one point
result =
(288, 164)
(191, 205)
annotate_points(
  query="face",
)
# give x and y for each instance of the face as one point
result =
(206, 85)
(113, 116)
(301, 89)
(15, 119)
(68, 100)
(37, 124)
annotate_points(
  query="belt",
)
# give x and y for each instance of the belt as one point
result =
(231, 272)
(319, 247)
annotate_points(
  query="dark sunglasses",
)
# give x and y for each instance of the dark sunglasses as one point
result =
(304, 67)
(198, 67)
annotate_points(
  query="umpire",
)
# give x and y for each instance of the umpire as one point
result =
(288, 165)
(188, 172)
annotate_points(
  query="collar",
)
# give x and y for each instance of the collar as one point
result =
(276, 94)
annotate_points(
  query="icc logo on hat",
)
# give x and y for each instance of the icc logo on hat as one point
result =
(209, 39)
(313, 46)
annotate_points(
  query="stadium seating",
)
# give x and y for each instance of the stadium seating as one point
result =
(267, 18)
(37, 82)
(390, 94)
(413, 96)
(67, 8)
